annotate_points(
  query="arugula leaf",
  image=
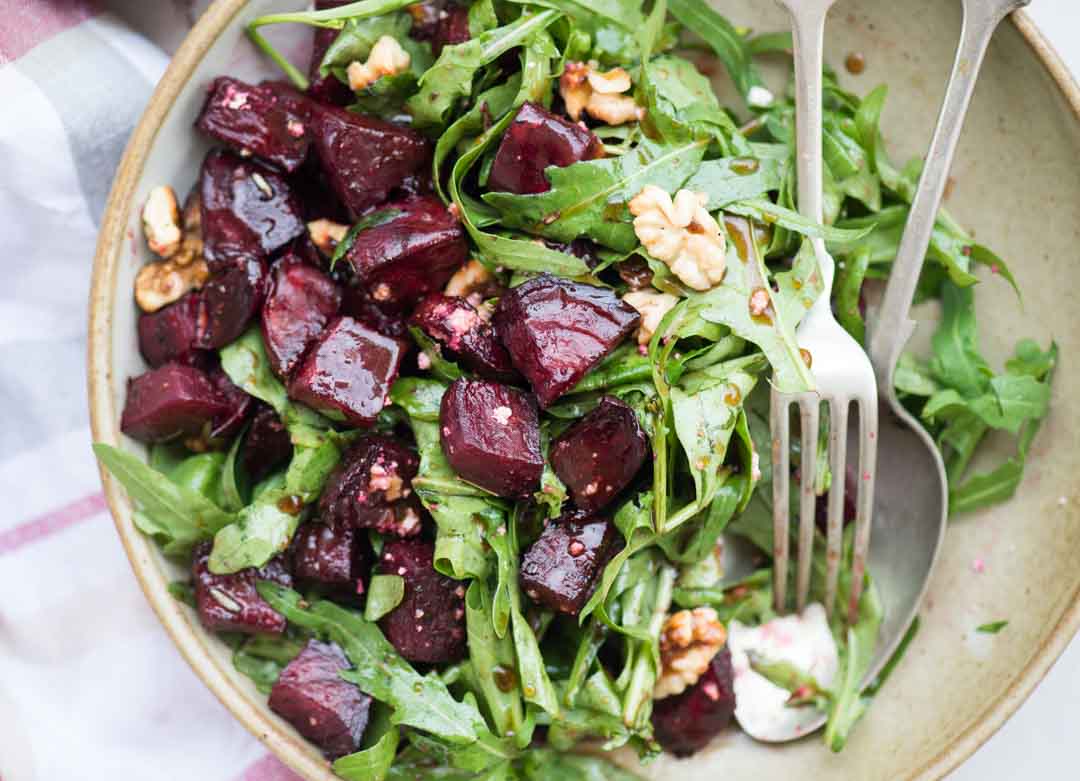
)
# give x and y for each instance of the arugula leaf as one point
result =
(419, 701)
(175, 514)
(730, 47)
(588, 198)
(730, 179)
(372, 763)
(773, 214)
(682, 106)
(384, 593)
(847, 705)
(262, 658)
(992, 628)
(492, 658)
(547, 765)
(634, 520)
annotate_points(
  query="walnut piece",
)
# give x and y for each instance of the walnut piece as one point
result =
(162, 282)
(688, 642)
(161, 222)
(326, 235)
(472, 278)
(653, 306)
(386, 58)
(681, 233)
(584, 88)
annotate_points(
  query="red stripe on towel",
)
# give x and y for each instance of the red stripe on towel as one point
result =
(26, 23)
(52, 522)
(269, 768)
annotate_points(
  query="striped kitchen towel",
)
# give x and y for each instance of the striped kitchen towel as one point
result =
(90, 685)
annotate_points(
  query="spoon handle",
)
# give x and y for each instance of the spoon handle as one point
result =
(892, 327)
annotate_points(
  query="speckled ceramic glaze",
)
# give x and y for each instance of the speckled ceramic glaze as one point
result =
(1015, 184)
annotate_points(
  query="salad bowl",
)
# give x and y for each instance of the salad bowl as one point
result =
(1014, 562)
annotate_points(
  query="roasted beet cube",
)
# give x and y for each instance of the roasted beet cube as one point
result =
(429, 624)
(365, 158)
(386, 319)
(230, 603)
(456, 325)
(248, 210)
(230, 300)
(561, 568)
(851, 492)
(267, 444)
(452, 27)
(227, 425)
(329, 88)
(348, 372)
(491, 436)
(170, 334)
(300, 303)
(255, 120)
(311, 695)
(171, 401)
(599, 455)
(415, 252)
(556, 330)
(686, 722)
(371, 486)
(329, 555)
(536, 139)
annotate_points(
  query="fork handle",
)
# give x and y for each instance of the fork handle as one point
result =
(892, 328)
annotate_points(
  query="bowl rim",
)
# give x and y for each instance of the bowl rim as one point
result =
(282, 742)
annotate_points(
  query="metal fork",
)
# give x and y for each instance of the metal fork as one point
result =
(840, 367)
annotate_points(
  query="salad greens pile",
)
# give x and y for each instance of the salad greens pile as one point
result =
(699, 387)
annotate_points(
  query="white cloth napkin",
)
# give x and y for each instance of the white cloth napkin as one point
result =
(90, 685)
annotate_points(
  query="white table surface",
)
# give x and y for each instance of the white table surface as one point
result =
(1037, 742)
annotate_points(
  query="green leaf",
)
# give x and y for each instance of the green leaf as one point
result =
(847, 705)
(682, 106)
(730, 47)
(235, 483)
(262, 658)
(589, 198)
(772, 214)
(373, 763)
(177, 514)
(992, 628)
(957, 361)
(634, 520)
(727, 180)
(547, 765)
(384, 593)
(492, 657)
(419, 701)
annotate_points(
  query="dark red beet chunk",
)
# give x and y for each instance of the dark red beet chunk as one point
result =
(267, 444)
(348, 372)
(557, 329)
(240, 404)
(230, 300)
(687, 722)
(600, 454)
(170, 334)
(561, 568)
(371, 486)
(365, 158)
(386, 319)
(536, 139)
(327, 710)
(171, 401)
(429, 624)
(245, 117)
(331, 556)
(230, 603)
(452, 28)
(414, 253)
(300, 303)
(248, 210)
(329, 88)
(456, 325)
(851, 492)
(491, 436)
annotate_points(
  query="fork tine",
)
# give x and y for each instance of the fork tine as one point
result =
(868, 427)
(780, 425)
(810, 412)
(838, 423)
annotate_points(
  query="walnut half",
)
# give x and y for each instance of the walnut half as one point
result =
(688, 642)
(162, 282)
(652, 306)
(682, 233)
(386, 58)
(584, 87)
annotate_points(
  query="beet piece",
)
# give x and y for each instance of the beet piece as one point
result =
(365, 158)
(348, 372)
(429, 624)
(536, 139)
(491, 436)
(452, 28)
(230, 603)
(228, 425)
(327, 710)
(456, 325)
(371, 486)
(230, 300)
(686, 722)
(560, 570)
(414, 253)
(330, 555)
(245, 117)
(300, 303)
(851, 493)
(267, 444)
(248, 210)
(386, 319)
(171, 333)
(599, 455)
(170, 401)
(557, 329)
(329, 88)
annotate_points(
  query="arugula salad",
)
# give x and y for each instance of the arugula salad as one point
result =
(459, 353)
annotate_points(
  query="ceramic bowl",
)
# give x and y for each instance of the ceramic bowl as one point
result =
(1014, 184)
